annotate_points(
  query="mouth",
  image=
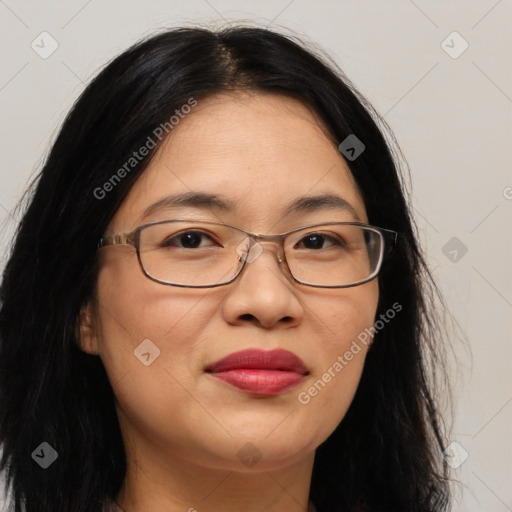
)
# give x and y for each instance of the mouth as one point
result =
(260, 372)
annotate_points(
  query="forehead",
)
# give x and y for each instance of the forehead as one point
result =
(259, 151)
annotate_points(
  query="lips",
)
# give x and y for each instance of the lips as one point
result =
(260, 372)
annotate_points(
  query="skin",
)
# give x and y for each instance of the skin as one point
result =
(182, 427)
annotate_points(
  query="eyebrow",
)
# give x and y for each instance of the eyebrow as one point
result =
(207, 201)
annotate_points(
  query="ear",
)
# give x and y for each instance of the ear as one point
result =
(87, 337)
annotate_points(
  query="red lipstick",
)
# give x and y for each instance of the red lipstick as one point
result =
(260, 372)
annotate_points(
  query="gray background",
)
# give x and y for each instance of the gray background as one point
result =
(450, 111)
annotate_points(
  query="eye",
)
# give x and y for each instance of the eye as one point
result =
(190, 239)
(317, 240)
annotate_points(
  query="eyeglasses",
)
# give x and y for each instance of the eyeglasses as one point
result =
(203, 254)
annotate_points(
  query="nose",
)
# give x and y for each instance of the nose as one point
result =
(264, 293)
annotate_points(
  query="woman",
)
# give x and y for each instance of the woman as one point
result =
(216, 299)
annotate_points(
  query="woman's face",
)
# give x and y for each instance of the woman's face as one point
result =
(261, 152)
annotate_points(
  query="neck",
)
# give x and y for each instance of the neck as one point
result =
(161, 483)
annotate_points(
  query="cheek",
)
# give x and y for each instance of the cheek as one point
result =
(344, 317)
(342, 348)
(144, 327)
(149, 343)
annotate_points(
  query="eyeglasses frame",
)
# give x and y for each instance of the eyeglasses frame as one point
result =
(133, 238)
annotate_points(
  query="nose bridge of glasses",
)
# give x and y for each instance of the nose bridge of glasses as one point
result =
(255, 248)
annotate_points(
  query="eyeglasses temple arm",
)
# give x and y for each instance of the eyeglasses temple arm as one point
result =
(120, 239)
(392, 240)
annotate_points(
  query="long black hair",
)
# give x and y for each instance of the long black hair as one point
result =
(385, 455)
